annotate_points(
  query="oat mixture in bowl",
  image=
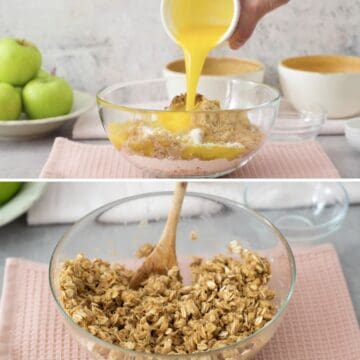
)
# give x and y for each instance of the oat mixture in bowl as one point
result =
(229, 302)
(150, 127)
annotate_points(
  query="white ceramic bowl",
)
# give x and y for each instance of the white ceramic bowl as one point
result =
(25, 129)
(215, 68)
(352, 133)
(329, 81)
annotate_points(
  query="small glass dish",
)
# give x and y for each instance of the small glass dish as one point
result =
(115, 231)
(352, 133)
(304, 212)
(206, 142)
(293, 126)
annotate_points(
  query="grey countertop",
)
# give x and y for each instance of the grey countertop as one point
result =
(25, 159)
(37, 242)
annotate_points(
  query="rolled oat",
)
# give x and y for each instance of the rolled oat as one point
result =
(227, 300)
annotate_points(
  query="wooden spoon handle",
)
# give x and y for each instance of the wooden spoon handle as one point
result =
(174, 213)
(163, 257)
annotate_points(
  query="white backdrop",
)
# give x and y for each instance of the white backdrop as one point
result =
(97, 42)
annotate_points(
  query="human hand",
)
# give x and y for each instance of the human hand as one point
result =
(251, 12)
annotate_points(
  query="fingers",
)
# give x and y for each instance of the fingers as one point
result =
(274, 4)
(266, 6)
(251, 12)
(248, 20)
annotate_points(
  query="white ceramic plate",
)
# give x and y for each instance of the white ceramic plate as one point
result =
(21, 203)
(23, 129)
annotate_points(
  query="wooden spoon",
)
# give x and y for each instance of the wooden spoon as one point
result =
(163, 257)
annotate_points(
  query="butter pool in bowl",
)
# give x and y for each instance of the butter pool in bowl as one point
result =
(329, 81)
(153, 131)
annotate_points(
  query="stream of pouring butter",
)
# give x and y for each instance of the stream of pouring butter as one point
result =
(198, 26)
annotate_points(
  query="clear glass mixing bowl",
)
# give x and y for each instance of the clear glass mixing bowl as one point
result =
(115, 231)
(248, 113)
(304, 212)
(294, 126)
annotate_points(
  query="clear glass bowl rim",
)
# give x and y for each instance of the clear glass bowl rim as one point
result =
(117, 348)
(338, 218)
(294, 122)
(109, 89)
(294, 118)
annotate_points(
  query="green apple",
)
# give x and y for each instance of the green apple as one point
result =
(19, 89)
(47, 97)
(20, 61)
(42, 74)
(10, 102)
(8, 190)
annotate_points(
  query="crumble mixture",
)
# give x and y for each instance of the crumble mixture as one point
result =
(144, 250)
(228, 300)
(186, 136)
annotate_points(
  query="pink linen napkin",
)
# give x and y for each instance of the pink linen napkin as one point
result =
(71, 160)
(319, 324)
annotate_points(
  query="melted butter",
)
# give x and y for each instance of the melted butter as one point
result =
(198, 27)
(220, 66)
(212, 152)
(175, 122)
(197, 44)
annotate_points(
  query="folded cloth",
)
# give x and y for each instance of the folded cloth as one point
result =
(53, 207)
(319, 323)
(89, 126)
(72, 160)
